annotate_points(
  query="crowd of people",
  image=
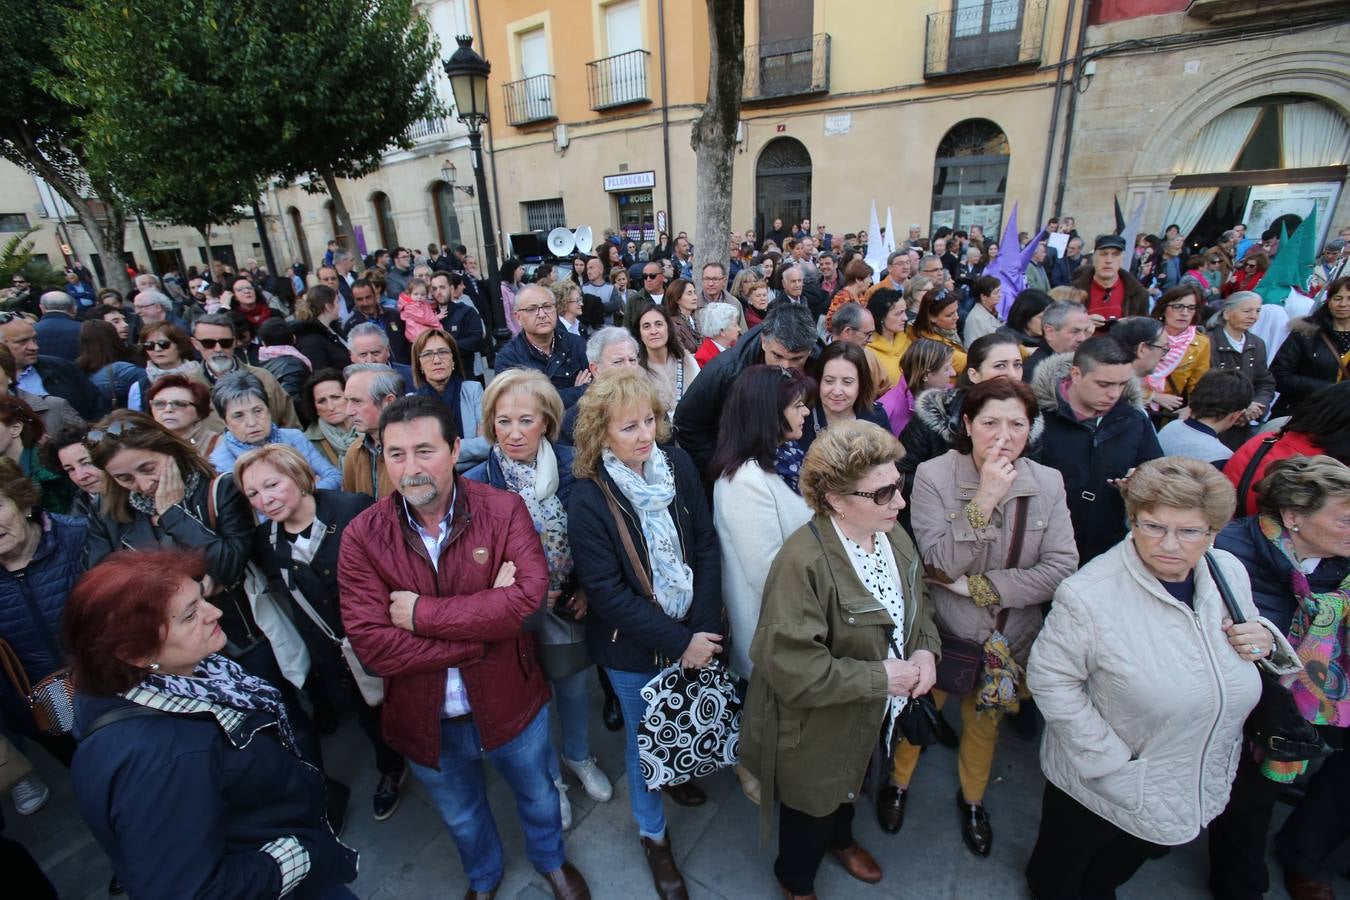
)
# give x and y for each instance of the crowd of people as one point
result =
(233, 513)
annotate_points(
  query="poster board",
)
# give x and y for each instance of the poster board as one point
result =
(1267, 202)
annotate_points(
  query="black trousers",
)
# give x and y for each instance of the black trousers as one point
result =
(1321, 822)
(329, 679)
(1237, 838)
(1079, 855)
(802, 842)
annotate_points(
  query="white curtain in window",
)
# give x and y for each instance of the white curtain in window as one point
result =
(1312, 135)
(1214, 149)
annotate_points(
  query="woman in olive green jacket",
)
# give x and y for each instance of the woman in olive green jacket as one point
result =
(842, 599)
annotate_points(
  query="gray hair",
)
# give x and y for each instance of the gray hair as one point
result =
(148, 282)
(57, 301)
(1231, 302)
(791, 325)
(386, 383)
(368, 329)
(237, 386)
(896, 254)
(923, 260)
(849, 315)
(1058, 312)
(1228, 235)
(788, 270)
(158, 298)
(343, 256)
(716, 318)
(602, 339)
(220, 320)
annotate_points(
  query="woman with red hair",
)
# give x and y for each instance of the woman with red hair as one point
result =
(188, 770)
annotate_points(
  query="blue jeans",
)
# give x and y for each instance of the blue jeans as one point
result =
(648, 806)
(569, 697)
(459, 792)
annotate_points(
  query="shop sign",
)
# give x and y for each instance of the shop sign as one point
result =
(627, 181)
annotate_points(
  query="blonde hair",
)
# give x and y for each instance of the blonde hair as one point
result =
(1302, 484)
(562, 292)
(1067, 293)
(840, 456)
(530, 383)
(284, 459)
(615, 392)
(1180, 482)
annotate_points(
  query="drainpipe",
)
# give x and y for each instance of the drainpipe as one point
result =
(665, 112)
(491, 156)
(1073, 105)
(1054, 111)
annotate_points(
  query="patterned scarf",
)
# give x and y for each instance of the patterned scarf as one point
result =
(537, 485)
(651, 494)
(340, 438)
(787, 462)
(223, 682)
(145, 503)
(1318, 633)
(188, 367)
(1176, 349)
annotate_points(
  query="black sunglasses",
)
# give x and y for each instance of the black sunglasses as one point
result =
(651, 274)
(158, 345)
(212, 343)
(882, 495)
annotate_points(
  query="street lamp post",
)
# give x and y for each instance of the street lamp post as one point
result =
(468, 73)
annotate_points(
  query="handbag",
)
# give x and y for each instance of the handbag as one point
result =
(52, 700)
(692, 726)
(918, 721)
(370, 685)
(958, 671)
(1275, 725)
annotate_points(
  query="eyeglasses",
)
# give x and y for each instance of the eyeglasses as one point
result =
(157, 345)
(1182, 307)
(439, 353)
(213, 343)
(882, 495)
(163, 405)
(1162, 347)
(1214, 262)
(1157, 532)
(534, 310)
(1250, 265)
(120, 428)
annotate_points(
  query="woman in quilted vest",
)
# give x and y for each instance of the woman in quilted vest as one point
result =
(1145, 683)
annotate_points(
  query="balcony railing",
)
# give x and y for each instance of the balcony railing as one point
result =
(788, 68)
(530, 100)
(996, 34)
(433, 129)
(618, 80)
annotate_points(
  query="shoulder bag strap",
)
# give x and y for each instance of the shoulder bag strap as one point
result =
(13, 667)
(1224, 590)
(1249, 473)
(1019, 531)
(1341, 364)
(621, 522)
(213, 502)
(117, 715)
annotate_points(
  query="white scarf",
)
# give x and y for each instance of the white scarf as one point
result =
(537, 485)
(651, 494)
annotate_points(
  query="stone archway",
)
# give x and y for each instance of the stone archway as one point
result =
(782, 184)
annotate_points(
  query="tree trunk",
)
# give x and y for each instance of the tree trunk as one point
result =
(714, 134)
(110, 239)
(346, 236)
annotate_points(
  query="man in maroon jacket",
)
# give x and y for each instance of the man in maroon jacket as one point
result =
(437, 580)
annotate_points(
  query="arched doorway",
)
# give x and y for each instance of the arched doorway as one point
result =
(383, 214)
(443, 208)
(298, 227)
(970, 176)
(334, 232)
(782, 184)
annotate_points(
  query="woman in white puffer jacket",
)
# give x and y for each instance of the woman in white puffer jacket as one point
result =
(1145, 683)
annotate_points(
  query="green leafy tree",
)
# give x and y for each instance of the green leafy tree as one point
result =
(40, 130)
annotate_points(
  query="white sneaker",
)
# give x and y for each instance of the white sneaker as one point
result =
(564, 806)
(29, 795)
(593, 781)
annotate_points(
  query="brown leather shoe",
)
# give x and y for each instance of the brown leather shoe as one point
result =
(686, 794)
(858, 863)
(568, 884)
(665, 875)
(1301, 888)
(788, 895)
(481, 895)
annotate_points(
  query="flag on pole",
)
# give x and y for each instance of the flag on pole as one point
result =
(876, 251)
(1292, 264)
(889, 239)
(1120, 216)
(1131, 231)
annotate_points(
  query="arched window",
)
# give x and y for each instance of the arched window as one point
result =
(298, 227)
(782, 184)
(970, 177)
(443, 206)
(383, 214)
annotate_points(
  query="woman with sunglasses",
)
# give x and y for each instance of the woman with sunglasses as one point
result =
(845, 640)
(1186, 358)
(183, 406)
(994, 533)
(1248, 273)
(168, 351)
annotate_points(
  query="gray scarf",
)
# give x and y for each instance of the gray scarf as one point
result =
(340, 438)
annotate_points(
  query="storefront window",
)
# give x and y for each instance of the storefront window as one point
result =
(637, 219)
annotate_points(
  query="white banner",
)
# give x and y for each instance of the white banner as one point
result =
(1268, 202)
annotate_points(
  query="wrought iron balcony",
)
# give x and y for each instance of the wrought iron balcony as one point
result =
(434, 129)
(996, 34)
(618, 80)
(787, 68)
(530, 100)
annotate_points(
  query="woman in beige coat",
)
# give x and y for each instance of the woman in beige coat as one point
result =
(965, 512)
(1145, 683)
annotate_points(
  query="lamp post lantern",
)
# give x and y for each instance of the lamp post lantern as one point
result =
(468, 73)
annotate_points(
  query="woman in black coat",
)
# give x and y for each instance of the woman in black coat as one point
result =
(188, 769)
(296, 547)
(626, 481)
(316, 315)
(1316, 353)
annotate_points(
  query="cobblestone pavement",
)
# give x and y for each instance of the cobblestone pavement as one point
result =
(411, 857)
